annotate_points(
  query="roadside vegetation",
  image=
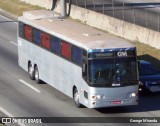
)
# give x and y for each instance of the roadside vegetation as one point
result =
(148, 53)
(144, 51)
(16, 6)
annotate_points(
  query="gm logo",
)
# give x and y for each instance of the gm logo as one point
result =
(120, 54)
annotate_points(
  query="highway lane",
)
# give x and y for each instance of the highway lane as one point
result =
(21, 100)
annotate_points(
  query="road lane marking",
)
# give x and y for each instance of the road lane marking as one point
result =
(9, 115)
(29, 85)
(13, 43)
(5, 112)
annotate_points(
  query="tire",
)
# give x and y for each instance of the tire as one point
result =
(76, 98)
(38, 81)
(31, 72)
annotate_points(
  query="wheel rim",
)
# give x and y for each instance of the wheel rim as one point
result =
(30, 70)
(36, 75)
(76, 97)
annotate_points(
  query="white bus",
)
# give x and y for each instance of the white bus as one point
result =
(94, 68)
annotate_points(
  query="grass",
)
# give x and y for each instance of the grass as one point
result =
(145, 52)
(16, 6)
(148, 53)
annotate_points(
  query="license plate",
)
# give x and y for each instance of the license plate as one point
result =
(116, 102)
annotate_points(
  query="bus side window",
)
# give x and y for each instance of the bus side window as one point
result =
(66, 50)
(76, 56)
(21, 30)
(84, 70)
(55, 45)
(46, 40)
(28, 32)
(37, 36)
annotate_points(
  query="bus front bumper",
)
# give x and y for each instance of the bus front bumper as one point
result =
(112, 103)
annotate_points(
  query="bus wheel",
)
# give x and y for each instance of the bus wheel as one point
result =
(37, 75)
(76, 97)
(31, 71)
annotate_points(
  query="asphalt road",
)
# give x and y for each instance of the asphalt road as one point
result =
(138, 12)
(22, 97)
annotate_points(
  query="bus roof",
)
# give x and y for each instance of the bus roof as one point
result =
(73, 31)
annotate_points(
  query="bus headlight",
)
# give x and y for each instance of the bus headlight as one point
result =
(133, 94)
(97, 97)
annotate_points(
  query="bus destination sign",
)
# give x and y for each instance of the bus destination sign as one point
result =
(107, 54)
(112, 54)
(100, 54)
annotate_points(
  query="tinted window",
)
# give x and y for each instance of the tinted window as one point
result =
(55, 45)
(28, 32)
(110, 71)
(37, 36)
(125, 69)
(66, 50)
(76, 55)
(46, 40)
(101, 71)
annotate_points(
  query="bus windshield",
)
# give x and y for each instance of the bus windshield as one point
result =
(109, 71)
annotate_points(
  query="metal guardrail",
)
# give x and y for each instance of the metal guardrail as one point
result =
(143, 14)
